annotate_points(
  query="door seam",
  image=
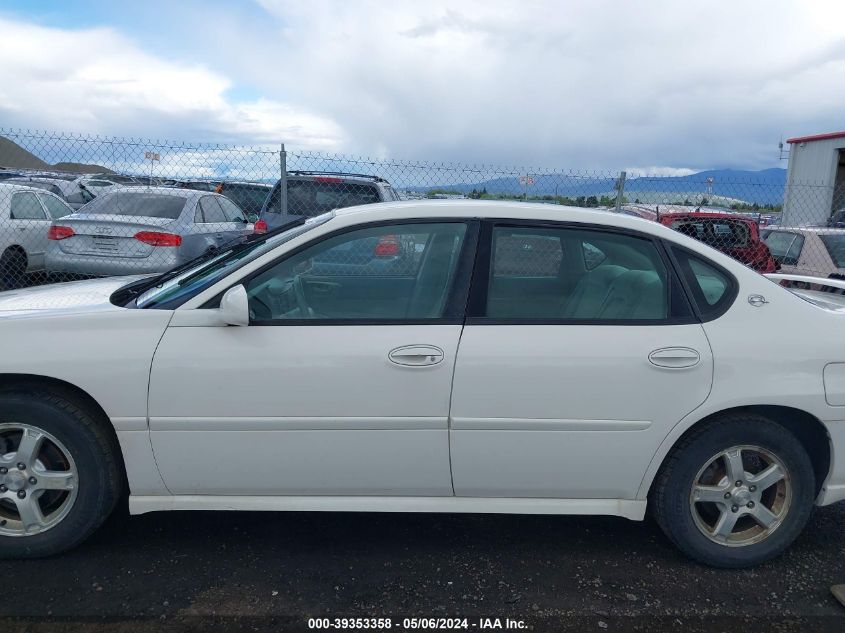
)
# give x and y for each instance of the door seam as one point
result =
(449, 415)
(149, 383)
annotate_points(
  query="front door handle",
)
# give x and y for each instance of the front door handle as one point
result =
(674, 357)
(416, 355)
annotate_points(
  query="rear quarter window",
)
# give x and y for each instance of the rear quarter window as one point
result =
(713, 289)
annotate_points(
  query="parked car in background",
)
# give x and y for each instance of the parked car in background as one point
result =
(734, 235)
(312, 193)
(814, 251)
(25, 216)
(116, 179)
(68, 189)
(638, 211)
(488, 377)
(196, 185)
(249, 196)
(131, 230)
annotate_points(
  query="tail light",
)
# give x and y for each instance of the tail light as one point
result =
(388, 246)
(260, 227)
(60, 233)
(154, 238)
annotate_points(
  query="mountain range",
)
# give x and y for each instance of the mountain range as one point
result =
(763, 187)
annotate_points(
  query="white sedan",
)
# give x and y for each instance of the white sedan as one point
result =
(430, 357)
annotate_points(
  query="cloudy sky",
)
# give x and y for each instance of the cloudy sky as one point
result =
(588, 84)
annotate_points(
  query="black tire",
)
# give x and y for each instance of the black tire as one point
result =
(13, 265)
(94, 451)
(670, 494)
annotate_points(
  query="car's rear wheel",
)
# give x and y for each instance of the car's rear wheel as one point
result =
(59, 475)
(13, 264)
(735, 492)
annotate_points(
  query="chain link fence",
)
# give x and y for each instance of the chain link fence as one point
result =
(75, 206)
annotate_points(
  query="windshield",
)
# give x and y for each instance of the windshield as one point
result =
(208, 272)
(137, 203)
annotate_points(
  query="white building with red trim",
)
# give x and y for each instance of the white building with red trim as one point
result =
(815, 179)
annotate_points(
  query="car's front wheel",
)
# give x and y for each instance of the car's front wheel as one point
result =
(735, 492)
(59, 475)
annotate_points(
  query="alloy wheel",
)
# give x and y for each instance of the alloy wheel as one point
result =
(741, 496)
(38, 480)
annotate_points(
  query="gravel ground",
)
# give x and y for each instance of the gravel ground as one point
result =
(271, 571)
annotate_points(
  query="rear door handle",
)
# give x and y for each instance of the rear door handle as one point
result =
(416, 355)
(674, 357)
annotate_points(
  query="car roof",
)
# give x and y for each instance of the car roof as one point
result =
(340, 177)
(228, 183)
(719, 215)
(17, 185)
(167, 191)
(423, 209)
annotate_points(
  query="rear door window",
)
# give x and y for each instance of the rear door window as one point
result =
(620, 278)
(25, 206)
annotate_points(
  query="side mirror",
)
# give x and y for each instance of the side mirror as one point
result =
(234, 306)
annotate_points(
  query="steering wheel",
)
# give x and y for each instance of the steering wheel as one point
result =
(258, 310)
(301, 301)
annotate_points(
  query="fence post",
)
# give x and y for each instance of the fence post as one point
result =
(283, 180)
(620, 190)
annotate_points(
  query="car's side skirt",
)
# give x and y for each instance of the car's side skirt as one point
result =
(627, 508)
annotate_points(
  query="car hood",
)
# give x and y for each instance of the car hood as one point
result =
(72, 296)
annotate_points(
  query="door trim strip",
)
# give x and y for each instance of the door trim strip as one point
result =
(297, 423)
(534, 424)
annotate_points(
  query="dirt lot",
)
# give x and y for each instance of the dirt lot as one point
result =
(254, 571)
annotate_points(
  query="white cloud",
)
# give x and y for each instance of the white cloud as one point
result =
(97, 81)
(590, 83)
(583, 84)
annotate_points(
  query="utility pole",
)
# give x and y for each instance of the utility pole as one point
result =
(283, 180)
(620, 190)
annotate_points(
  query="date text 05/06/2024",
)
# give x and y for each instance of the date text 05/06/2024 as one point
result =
(413, 624)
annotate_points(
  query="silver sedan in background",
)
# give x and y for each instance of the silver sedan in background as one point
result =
(132, 230)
